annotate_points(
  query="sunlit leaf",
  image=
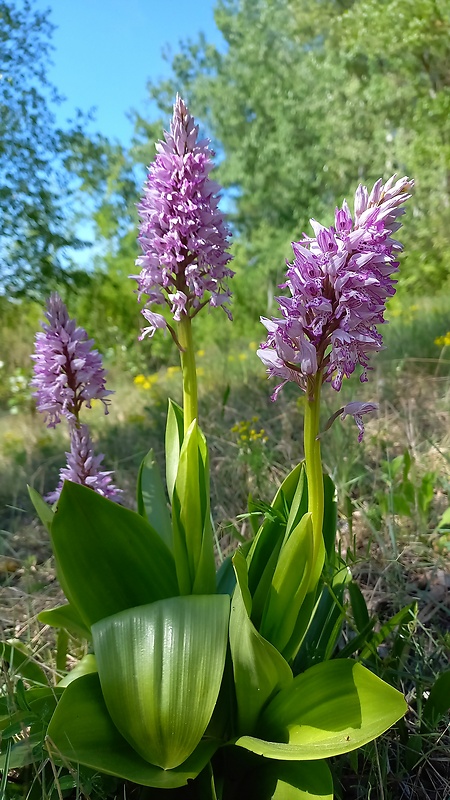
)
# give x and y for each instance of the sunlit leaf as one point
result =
(259, 669)
(160, 668)
(81, 731)
(174, 440)
(330, 709)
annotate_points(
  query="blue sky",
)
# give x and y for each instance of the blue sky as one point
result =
(106, 50)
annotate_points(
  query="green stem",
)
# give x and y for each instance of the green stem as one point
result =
(190, 402)
(314, 471)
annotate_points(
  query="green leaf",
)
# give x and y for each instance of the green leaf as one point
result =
(174, 440)
(82, 731)
(108, 558)
(192, 534)
(304, 780)
(329, 517)
(438, 702)
(160, 669)
(21, 661)
(85, 666)
(67, 617)
(330, 709)
(151, 498)
(326, 623)
(263, 554)
(259, 669)
(289, 585)
(359, 606)
(43, 510)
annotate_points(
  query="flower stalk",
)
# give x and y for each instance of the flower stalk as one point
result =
(314, 475)
(188, 367)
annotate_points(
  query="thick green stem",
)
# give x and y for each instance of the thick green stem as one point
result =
(314, 470)
(190, 402)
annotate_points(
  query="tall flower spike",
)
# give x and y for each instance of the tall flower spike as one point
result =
(182, 232)
(84, 467)
(339, 282)
(67, 372)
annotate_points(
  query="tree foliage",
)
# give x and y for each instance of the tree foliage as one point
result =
(306, 99)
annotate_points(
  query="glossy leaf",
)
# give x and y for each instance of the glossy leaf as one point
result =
(174, 440)
(108, 558)
(151, 498)
(82, 731)
(67, 617)
(160, 669)
(289, 585)
(330, 709)
(259, 669)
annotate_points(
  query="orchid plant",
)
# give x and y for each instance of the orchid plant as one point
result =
(220, 679)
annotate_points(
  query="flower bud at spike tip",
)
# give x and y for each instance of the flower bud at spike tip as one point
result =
(183, 235)
(339, 282)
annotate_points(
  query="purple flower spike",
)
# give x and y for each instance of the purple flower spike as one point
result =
(67, 372)
(182, 232)
(339, 282)
(84, 467)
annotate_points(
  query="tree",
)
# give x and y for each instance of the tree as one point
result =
(37, 184)
(307, 99)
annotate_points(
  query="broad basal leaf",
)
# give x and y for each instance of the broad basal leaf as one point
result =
(108, 558)
(331, 708)
(160, 668)
(81, 731)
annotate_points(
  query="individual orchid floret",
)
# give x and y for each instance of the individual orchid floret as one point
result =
(68, 372)
(183, 235)
(354, 409)
(84, 467)
(339, 283)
